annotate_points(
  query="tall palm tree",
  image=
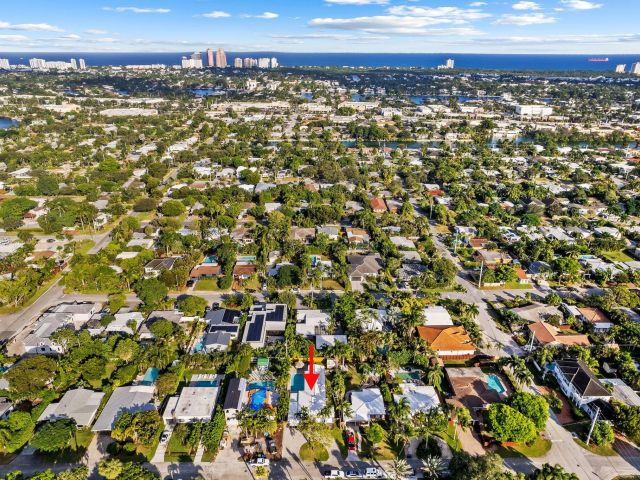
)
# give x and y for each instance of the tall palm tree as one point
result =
(400, 469)
(518, 367)
(432, 467)
(434, 377)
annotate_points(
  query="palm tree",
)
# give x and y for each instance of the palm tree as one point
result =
(401, 410)
(400, 469)
(432, 467)
(518, 367)
(434, 377)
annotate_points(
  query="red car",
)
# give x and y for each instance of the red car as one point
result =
(351, 441)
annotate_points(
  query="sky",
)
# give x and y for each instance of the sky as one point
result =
(384, 26)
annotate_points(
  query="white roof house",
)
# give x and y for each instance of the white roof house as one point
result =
(421, 398)
(132, 399)
(197, 401)
(80, 404)
(314, 400)
(311, 322)
(121, 322)
(367, 405)
(436, 316)
(372, 319)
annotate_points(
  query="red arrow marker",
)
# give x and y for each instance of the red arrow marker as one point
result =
(311, 378)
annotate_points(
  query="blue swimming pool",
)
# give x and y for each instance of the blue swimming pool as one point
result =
(297, 383)
(258, 399)
(150, 376)
(210, 259)
(260, 385)
(495, 383)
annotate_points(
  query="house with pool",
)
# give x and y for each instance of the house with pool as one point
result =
(302, 396)
(475, 390)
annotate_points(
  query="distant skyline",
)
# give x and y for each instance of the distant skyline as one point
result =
(381, 26)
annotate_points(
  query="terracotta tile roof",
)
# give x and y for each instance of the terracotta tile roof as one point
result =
(594, 315)
(446, 338)
(378, 204)
(546, 333)
(205, 270)
(478, 242)
(244, 270)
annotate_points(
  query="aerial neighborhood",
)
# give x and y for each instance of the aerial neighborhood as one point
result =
(319, 273)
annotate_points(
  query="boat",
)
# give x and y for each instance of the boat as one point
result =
(599, 59)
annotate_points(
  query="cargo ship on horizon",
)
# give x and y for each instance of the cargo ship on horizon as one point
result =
(599, 59)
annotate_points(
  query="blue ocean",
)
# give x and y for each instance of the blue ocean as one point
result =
(420, 60)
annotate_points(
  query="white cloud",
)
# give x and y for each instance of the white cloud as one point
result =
(95, 31)
(341, 37)
(136, 10)
(581, 4)
(526, 19)
(525, 5)
(478, 4)
(265, 16)
(409, 20)
(216, 14)
(69, 37)
(440, 14)
(357, 2)
(33, 27)
(14, 38)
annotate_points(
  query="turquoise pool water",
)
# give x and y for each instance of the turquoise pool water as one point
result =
(494, 383)
(205, 383)
(257, 399)
(408, 375)
(150, 376)
(258, 385)
(297, 382)
(199, 346)
(210, 259)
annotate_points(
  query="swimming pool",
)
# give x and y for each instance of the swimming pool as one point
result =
(258, 399)
(260, 385)
(210, 259)
(414, 375)
(150, 376)
(495, 383)
(297, 382)
(199, 345)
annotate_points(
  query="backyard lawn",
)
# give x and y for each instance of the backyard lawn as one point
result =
(207, 285)
(617, 256)
(314, 452)
(537, 449)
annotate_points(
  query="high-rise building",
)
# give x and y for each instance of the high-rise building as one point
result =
(194, 62)
(274, 63)
(450, 63)
(74, 64)
(4, 64)
(635, 68)
(37, 63)
(621, 68)
(221, 58)
(264, 62)
(237, 62)
(82, 64)
(210, 60)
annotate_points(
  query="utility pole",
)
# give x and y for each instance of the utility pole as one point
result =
(593, 424)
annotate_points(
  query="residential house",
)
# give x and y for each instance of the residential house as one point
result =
(580, 384)
(450, 343)
(544, 334)
(156, 266)
(223, 327)
(378, 205)
(123, 323)
(313, 400)
(197, 401)
(265, 320)
(474, 389)
(234, 400)
(421, 398)
(131, 399)
(595, 317)
(304, 235)
(80, 405)
(367, 405)
(492, 257)
(357, 236)
(310, 323)
(436, 316)
(361, 267)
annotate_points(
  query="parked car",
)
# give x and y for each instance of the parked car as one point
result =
(271, 446)
(373, 472)
(351, 441)
(259, 461)
(334, 473)
(164, 438)
(353, 474)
